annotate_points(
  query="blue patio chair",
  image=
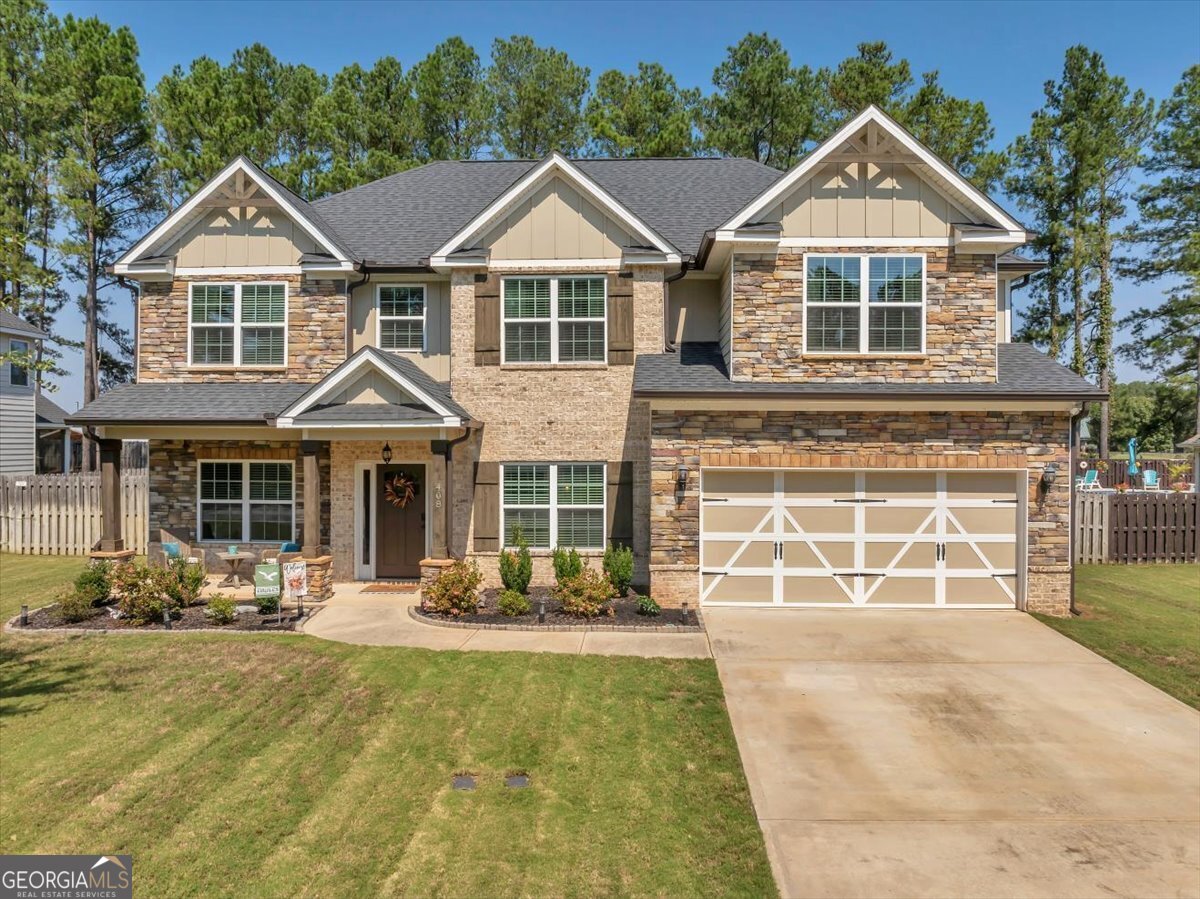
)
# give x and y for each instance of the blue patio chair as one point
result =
(289, 547)
(1150, 479)
(1090, 480)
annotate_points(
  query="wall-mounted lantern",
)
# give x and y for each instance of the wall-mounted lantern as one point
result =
(681, 479)
(386, 454)
(1049, 473)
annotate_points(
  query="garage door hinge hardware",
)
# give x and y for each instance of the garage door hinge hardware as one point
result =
(852, 574)
(1013, 501)
(714, 499)
(872, 500)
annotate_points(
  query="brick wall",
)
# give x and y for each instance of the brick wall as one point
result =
(998, 440)
(173, 475)
(960, 322)
(554, 414)
(316, 325)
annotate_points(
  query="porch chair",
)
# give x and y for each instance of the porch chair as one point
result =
(174, 548)
(1150, 479)
(1090, 480)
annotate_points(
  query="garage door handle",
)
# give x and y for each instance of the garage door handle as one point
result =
(851, 573)
(711, 499)
(860, 500)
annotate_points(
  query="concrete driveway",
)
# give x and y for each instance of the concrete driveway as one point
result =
(957, 754)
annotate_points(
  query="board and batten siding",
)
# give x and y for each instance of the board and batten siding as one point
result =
(695, 310)
(435, 361)
(725, 318)
(242, 237)
(557, 222)
(18, 430)
(865, 199)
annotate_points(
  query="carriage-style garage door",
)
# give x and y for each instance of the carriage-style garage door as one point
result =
(874, 539)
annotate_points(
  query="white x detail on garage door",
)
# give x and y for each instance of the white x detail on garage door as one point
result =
(879, 539)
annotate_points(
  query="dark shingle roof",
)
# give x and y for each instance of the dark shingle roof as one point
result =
(699, 369)
(402, 219)
(49, 413)
(11, 322)
(211, 403)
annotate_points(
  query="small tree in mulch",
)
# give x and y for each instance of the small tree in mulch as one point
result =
(585, 595)
(567, 563)
(516, 565)
(618, 565)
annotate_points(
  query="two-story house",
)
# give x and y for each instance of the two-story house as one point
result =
(781, 389)
(19, 404)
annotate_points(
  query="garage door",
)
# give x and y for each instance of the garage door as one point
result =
(877, 539)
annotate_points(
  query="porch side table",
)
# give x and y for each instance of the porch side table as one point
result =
(234, 561)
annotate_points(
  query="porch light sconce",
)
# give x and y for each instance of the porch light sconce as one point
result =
(386, 454)
(681, 478)
(1049, 473)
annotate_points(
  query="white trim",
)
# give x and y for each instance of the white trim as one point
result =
(552, 505)
(556, 265)
(864, 305)
(407, 318)
(339, 377)
(978, 402)
(553, 320)
(871, 114)
(245, 501)
(237, 326)
(555, 163)
(446, 421)
(853, 243)
(178, 217)
(213, 271)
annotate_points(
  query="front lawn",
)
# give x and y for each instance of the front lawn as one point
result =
(33, 580)
(287, 766)
(1146, 618)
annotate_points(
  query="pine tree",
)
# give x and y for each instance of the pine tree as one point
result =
(537, 97)
(644, 114)
(451, 101)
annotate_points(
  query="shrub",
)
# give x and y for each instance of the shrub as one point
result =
(567, 564)
(75, 605)
(95, 583)
(511, 604)
(221, 609)
(456, 590)
(516, 566)
(618, 565)
(267, 605)
(647, 606)
(145, 592)
(184, 582)
(584, 595)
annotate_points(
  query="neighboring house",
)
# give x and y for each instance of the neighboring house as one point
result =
(779, 388)
(54, 438)
(18, 428)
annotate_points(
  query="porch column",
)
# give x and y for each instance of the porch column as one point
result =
(310, 544)
(111, 539)
(440, 486)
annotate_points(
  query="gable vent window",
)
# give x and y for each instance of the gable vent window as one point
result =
(884, 315)
(554, 320)
(238, 325)
(401, 309)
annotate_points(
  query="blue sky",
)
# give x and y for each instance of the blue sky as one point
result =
(1000, 53)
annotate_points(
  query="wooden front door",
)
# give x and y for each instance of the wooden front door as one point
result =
(399, 520)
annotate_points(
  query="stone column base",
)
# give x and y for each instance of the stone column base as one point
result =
(673, 585)
(320, 578)
(117, 557)
(1048, 590)
(430, 569)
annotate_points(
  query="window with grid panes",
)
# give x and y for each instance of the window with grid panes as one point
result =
(554, 319)
(558, 504)
(246, 501)
(238, 324)
(402, 317)
(885, 316)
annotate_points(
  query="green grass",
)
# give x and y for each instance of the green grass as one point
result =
(1145, 618)
(287, 766)
(33, 580)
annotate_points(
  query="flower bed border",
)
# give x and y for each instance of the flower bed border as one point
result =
(13, 626)
(416, 614)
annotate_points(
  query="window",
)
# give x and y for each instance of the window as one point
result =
(18, 375)
(554, 319)
(887, 317)
(246, 501)
(401, 309)
(554, 504)
(238, 324)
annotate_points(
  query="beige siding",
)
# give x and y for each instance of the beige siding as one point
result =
(866, 199)
(695, 309)
(725, 319)
(247, 236)
(363, 331)
(557, 222)
(18, 439)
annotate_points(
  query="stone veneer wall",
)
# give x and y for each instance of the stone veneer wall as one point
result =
(960, 322)
(563, 413)
(173, 475)
(316, 332)
(929, 440)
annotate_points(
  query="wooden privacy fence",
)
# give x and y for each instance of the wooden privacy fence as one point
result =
(1137, 527)
(59, 514)
(1118, 471)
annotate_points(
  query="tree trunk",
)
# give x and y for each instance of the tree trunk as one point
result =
(1052, 305)
(1078, 359)
(91, 381)
(1198, 385)
(1104, 316)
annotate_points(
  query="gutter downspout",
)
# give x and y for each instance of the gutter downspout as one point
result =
(448, 455)
(668, 343)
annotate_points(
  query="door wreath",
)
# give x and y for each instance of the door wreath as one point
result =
(399, 489)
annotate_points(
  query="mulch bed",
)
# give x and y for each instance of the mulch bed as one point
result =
(193, 618)
(624, 613)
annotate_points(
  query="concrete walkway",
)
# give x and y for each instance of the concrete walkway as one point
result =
(956, 754)
(382, 619)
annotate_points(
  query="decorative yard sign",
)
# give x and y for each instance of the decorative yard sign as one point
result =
(295, 578)
(266, 580)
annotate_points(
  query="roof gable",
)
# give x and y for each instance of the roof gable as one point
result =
(240, 184)
(874, 135)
